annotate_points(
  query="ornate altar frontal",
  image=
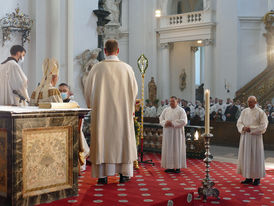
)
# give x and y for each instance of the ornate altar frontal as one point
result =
(38, 154)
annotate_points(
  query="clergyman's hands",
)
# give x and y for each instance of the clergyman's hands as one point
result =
(168, 124)
(246, 129)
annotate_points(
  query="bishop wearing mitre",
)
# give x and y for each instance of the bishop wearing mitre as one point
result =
(46, 90)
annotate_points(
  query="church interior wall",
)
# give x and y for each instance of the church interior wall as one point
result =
(142, 39)
(252, 51)
(239, 51)
(85, 37)
(226, 50)
(181, 58)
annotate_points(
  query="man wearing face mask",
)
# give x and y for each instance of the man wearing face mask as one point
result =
(13, 79)
(65, 92)
(66, 95)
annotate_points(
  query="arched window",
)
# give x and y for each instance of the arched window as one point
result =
(184, 6)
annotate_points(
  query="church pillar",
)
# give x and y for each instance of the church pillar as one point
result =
(208, 65)
(165, 71)
(70, 43)
(54, 29)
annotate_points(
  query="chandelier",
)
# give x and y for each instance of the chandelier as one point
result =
(16, 22)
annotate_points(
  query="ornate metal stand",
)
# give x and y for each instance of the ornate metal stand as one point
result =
(102, 21)
(207, 189)
(142, 63)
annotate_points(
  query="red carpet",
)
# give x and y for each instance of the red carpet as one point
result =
(152, 186)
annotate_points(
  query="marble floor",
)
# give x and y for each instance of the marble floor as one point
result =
(230, 154)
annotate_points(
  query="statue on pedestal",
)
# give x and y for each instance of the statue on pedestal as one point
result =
(152, 91)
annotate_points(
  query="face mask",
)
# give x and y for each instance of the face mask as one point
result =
(21, 60)
(64, 95)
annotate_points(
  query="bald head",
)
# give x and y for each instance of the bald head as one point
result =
(252, 101)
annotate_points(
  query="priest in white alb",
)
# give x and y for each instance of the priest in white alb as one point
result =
(110, 91)
(173, 119)
(13, 81)
(252, 124)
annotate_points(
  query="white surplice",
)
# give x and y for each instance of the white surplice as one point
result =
(251, 149)
(173, 144)
(12, 78)
(111, 90)
(160, 109)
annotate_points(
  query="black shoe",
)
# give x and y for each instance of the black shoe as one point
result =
(177, 171)
(247, 181)
(103, 180)
(256, 182)
(169, 170)
(124, 179)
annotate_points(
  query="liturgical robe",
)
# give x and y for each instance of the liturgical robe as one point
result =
(45, 92)
(110, 92)
(251, 150)
(173, 143)
(12, 78)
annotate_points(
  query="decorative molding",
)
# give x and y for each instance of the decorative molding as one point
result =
(208, 42)
(187, 32)
(251, 18)
(164, 45)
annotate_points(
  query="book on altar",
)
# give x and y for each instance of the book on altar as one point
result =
(51, 105)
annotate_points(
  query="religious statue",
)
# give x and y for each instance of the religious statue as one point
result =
(152, 91)
(87, 59)
(113, 6)
(183, 80)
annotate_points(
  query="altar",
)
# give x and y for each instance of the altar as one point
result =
(38, 154)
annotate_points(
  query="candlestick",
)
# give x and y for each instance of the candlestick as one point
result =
(207, 107)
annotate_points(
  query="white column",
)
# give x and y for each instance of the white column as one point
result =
(165, 71)
(70, 43)
(208, 65)
(192, 76)
(54, 29)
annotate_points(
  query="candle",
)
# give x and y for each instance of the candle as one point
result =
(207, 107)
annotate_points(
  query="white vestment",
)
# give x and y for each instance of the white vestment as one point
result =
(150, 112)
(160, 109)
(251, 150)
(173, 144)
(200, 111)
(12, 78)
(110, 92)
(217, 107)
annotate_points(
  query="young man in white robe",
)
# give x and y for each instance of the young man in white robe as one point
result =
(173, 119)
(67, 97)
(111, 91)
(12, 78)
(252, 123)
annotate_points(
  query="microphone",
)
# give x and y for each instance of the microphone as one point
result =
(22, 98)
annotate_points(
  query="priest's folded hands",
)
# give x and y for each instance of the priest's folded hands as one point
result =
(169, 124)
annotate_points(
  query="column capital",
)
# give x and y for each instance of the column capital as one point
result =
(208, 42)
(194, 49)
(164, 45)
